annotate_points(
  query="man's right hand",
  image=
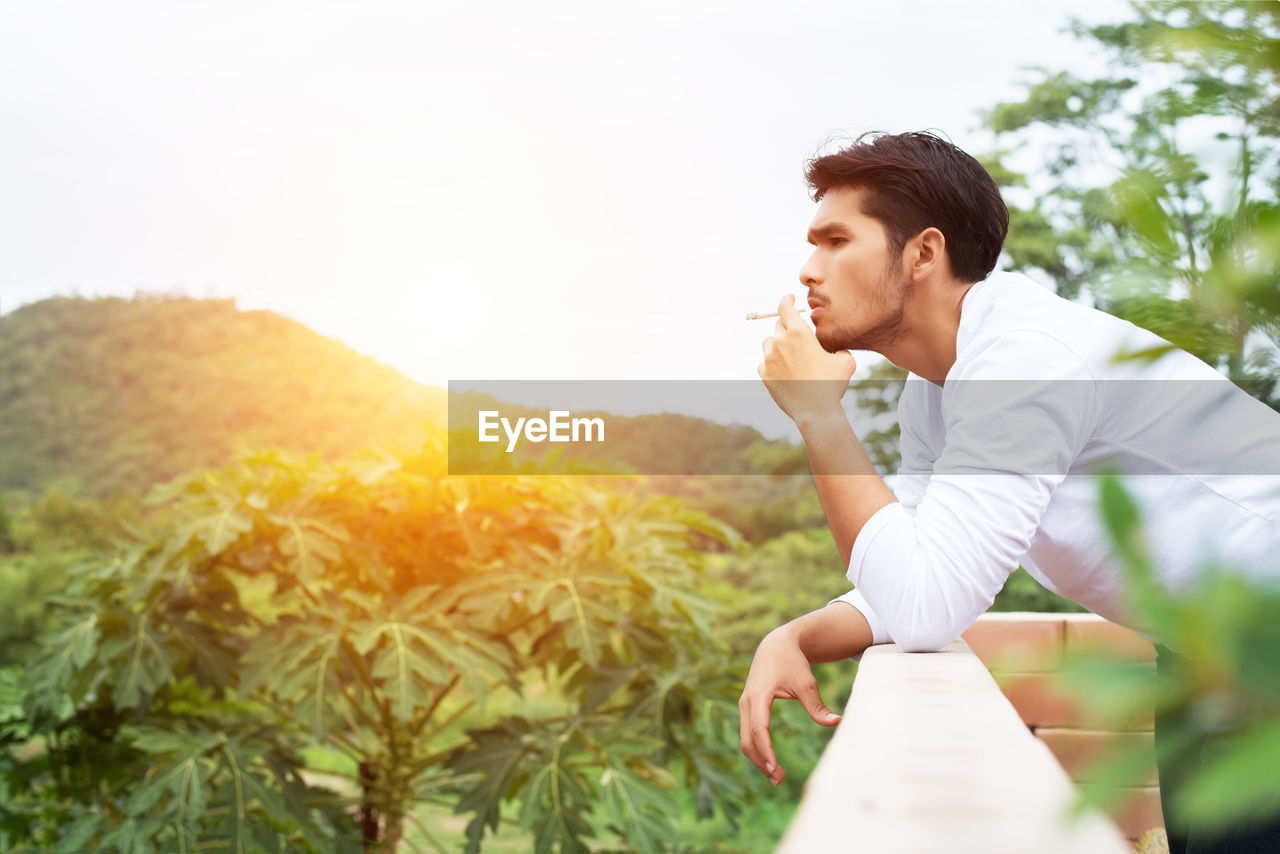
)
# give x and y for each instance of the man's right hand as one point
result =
(780, 670)
(783, 669)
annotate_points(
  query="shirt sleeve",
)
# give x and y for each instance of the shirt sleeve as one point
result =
(1010, 441)
(909, 486)
(879, 634)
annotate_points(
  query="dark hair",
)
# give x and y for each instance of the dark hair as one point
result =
(915, 181)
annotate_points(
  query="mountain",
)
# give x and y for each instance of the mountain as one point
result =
(109, 395)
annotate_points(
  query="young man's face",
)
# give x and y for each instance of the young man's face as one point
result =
(856, 289)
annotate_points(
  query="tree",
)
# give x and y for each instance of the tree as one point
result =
(398, 615)
(1130, 204)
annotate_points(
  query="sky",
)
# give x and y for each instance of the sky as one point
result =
(498, 191)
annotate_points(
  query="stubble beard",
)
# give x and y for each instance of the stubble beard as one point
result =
(893, 288)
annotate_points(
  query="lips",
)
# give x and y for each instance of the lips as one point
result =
(815, 309)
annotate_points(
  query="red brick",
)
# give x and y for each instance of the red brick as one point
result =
(1079, 749)
(1039, 699)
(1046, 700)
(1088, 633)
(1137, 811)
(1022, 643)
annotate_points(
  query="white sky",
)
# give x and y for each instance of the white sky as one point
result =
(490, 191)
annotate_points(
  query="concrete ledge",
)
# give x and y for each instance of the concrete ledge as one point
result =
(930, 756)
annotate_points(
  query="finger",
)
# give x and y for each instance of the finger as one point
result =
(758, 732)
(853, 362)
(767, 346)
(779, 328)
(787, 314)
(811, 699)
(744, 736)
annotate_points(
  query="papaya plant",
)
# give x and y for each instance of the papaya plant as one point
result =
(387, 611)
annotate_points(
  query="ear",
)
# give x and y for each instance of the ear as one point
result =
(926, 253)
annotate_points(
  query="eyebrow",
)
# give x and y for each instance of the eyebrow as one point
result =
(831, 229)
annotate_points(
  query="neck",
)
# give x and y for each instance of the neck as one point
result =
(927, 347)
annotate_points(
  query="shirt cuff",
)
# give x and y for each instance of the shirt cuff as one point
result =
(879, 634)
(862, 543)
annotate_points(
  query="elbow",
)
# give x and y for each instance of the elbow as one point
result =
(927, 629)
(933, 596)
(924, 639)
(939, 602)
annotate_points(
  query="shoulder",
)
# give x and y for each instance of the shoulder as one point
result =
(1022, 330)
(1026, 353)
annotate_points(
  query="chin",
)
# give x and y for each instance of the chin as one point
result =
(835, 341)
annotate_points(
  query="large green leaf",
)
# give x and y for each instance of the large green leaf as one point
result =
(299, 660)
(79, 834)
(640, 810)
(51, 676)
(558, 797)
(176, 787)
(411, 661)
(140, 657)
(493, 757)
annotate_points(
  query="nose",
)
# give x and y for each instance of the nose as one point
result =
(810, 275)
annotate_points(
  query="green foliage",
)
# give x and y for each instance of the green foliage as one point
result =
(772, 583)
(760, 507)
(28, 581)
(63, 521)
(43, 538)
(8, 542)
(1021, 592)
(377, 606)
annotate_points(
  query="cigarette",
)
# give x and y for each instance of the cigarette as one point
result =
(761, 315)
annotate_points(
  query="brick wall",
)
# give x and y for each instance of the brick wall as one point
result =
(1025, 651)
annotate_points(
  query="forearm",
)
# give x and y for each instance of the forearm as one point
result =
(833, 633)
(848, 485)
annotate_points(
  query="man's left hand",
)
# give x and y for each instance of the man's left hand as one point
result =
(804, 379)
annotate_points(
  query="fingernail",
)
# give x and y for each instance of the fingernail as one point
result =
(768, 767)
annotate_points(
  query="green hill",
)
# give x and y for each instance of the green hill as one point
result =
(105, 395)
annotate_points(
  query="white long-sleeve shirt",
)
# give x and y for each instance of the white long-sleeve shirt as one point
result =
(999, 464)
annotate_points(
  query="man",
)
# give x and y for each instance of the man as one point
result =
(1014, 396)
